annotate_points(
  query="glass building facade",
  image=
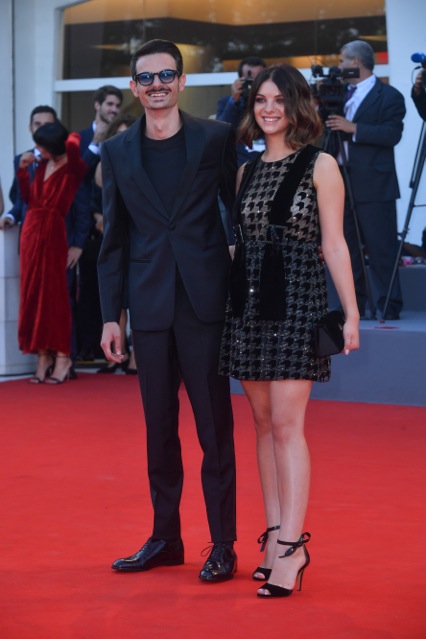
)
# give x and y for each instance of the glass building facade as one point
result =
(100, 36)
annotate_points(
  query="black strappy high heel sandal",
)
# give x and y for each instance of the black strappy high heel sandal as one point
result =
(37, 379)
(280, 591)
(263, 539)
(54, 381)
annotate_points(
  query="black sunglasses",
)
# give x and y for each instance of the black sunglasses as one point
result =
(166, 76)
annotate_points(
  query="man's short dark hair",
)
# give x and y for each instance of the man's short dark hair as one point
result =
(43, 108)
(252, 61)
(52, 137)
(157, 46)
(103, 92)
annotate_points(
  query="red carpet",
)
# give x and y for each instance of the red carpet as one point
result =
(75, 497)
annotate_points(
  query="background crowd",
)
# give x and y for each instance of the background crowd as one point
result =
(132, 208)
(370, 123)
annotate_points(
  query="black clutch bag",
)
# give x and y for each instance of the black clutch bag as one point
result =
(328, 334)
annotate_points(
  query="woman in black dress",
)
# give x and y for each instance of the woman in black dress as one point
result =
(289, 203)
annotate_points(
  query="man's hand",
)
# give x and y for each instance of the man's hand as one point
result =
(99, 219)
(100, 131)
(237, 89)
(74, 253)
(6, 221)
(111, 342)
(27, 158)
(418, 84)
(339, 123)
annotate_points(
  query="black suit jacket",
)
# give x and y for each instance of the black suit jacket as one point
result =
(19, 207)
(371, 158)
(147, 244)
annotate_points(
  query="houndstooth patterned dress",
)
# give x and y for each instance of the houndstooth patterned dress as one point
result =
(256, 349)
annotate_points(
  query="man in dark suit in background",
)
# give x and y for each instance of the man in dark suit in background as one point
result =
(373, 124)
(165, 243)
(77, 220)
(107, 104)
(231, 108)
(40, 115)
(87, 324)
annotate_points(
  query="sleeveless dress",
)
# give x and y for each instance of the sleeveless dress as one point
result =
(259, 349)
(44, 312)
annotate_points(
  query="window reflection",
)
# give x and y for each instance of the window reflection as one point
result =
(101, 35)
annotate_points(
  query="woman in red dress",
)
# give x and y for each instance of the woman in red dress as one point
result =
(45, 314)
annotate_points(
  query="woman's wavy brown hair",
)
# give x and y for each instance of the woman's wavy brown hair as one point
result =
(304, 122)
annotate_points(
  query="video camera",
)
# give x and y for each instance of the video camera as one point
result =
(420, 57)
(247, 85)
(330, 91)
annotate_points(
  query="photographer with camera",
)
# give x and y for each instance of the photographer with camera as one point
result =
(372, 124)
(418, 93)
(232, 108)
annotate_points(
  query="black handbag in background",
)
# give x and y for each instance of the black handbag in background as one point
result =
(328, 334)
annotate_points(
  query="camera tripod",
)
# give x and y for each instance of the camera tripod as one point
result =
(416, 174)
(328, 143)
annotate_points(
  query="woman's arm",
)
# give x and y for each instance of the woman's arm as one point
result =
(75, 162)
(330, 196)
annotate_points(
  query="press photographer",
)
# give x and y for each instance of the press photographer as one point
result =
(232, 108)
(372, 117)
(329, 93)
(418, 92)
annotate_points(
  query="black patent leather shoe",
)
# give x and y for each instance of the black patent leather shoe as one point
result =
(154, 553)
(221, 563)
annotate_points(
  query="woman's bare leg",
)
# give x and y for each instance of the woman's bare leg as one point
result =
(288, 401)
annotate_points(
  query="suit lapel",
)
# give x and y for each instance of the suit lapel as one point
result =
(368, 101)
(132, 140)
(194, 142)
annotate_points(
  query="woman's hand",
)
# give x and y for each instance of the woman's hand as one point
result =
(351, 335)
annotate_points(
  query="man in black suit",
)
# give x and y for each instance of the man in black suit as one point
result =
(373, 126)
(165, 245)
(107, 102)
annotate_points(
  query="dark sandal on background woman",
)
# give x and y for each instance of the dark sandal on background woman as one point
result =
(279, 591)
(66, 373)
(263, 539)
(43, 371)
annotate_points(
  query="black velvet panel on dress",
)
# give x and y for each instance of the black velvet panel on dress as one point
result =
(269, 349)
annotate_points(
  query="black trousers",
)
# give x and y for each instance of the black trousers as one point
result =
(88, 308)
(189, 350)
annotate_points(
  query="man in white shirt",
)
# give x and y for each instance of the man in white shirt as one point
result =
(373, 125)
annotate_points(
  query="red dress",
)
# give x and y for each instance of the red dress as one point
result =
(44, 313)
